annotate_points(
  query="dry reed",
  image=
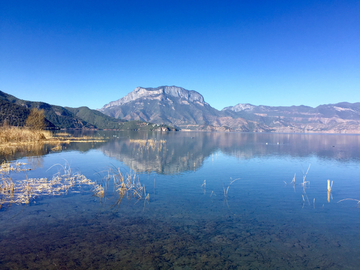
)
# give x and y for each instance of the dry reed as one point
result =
(226, 190)
(329, 187)
(16, 139)
(128, 186)
(10, 134)
(350, 199)
(204, 187)
(304, 182)
(23, 191)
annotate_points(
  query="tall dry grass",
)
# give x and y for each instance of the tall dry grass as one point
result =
(9, 134)
(16, 139)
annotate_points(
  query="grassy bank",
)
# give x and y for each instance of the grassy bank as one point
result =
(23, 135)
(15, 139)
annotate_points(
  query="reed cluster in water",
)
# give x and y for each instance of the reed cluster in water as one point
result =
(22, 191)
(128, 186)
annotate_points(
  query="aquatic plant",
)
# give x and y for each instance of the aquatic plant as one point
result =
(24, 190)
(99, 191)
(329, 187)
(226, 191)
(128, 186)
(204, 186)
(293, 180)
(350, 199)
(304, 182)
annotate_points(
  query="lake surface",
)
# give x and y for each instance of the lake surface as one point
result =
(215, 201)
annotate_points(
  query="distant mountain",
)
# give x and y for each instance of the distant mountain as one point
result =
(16, 115)
(187, 109)
(96, 118)
(331, 118)
(169, 104)
(16, 111)
(57, 115)
(173, 105)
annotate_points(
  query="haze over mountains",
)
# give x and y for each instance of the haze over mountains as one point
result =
(186, 109)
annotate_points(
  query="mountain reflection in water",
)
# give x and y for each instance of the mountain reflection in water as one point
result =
(179, 152)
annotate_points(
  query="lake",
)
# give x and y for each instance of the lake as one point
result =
(187, 200)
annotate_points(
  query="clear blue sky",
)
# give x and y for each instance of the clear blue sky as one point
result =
(88, 53)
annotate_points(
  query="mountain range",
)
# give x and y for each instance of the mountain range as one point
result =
(165, 106)
(15, 111)
(176, 106)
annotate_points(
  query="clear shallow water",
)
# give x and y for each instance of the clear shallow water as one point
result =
(260, 223)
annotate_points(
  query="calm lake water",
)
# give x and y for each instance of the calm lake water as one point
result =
(216, 201)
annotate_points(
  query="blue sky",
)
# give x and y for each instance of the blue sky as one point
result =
(88, 53)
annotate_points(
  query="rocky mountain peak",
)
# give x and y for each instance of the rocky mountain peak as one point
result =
(151, 93)
(240, 107)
